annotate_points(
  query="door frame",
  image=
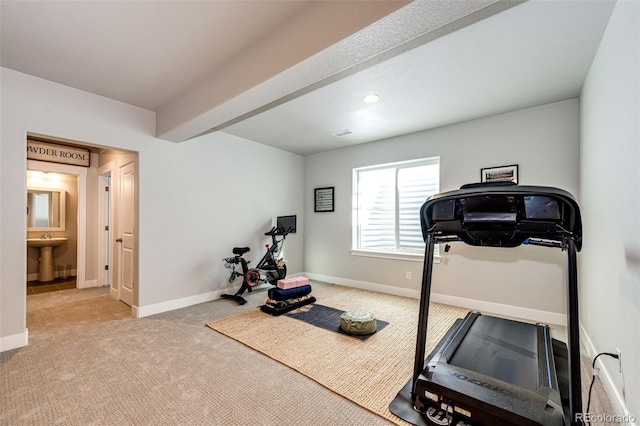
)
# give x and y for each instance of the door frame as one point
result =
(105, 219)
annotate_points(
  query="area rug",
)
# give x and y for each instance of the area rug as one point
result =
(329, 318)
(370, 373)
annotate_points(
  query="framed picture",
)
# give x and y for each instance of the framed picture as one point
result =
(500, 174)
(323, 199)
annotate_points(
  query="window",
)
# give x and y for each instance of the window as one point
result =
(387, 200)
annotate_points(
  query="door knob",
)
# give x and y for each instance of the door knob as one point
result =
(119, 240)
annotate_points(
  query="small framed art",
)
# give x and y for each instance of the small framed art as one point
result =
(323, 199)
(500, 174)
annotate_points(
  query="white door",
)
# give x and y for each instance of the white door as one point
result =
(126, 239)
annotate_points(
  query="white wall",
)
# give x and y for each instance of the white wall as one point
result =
(197, 199)
(543, 141)
(37, 106)
(201, 198)
(610, 194)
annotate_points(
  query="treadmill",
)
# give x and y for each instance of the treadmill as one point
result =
(490, 371)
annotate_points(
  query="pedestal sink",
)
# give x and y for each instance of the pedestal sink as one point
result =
(46, 272)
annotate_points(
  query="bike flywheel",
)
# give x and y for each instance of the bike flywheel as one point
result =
(252, 278)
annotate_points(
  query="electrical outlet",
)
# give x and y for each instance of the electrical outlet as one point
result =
(408, 275)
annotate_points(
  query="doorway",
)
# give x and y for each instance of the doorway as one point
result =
(73, 181)
(99, 224)
(52, 207)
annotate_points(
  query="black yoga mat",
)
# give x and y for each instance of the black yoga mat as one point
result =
(328, 318)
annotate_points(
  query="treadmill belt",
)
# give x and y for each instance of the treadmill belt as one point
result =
(502, 349)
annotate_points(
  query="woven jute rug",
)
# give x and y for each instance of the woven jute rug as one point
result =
(370, 373)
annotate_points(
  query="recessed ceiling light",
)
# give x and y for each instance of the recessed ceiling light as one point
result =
(372, 98)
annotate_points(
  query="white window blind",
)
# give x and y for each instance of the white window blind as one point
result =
(387, 201)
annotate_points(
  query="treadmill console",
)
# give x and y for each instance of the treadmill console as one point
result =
(503, 215)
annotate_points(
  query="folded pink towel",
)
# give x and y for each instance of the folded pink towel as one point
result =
(302, 280)
(287, 283)
(292, 282)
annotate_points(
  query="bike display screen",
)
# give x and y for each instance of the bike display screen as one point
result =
(286, 224)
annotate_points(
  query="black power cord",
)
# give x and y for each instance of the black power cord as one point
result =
(593, 377)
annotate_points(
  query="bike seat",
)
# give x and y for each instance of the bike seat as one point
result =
(240, 250)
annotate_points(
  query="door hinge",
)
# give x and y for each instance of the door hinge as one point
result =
(106, 188)
(106, 267)
(106, 228)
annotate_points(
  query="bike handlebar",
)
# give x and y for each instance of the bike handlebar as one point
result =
(277, 231)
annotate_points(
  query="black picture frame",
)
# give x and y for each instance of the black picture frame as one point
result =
(500, 174)
(323, 199)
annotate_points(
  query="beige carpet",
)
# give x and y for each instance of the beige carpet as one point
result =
(89, 363)
(369, 373)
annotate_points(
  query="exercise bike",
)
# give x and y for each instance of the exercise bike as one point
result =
(269, 269)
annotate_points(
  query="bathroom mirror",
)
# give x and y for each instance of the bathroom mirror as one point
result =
(45, 209)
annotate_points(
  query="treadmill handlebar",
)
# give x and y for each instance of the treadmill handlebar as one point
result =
(543, 243)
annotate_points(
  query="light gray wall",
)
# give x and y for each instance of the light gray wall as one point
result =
(543, 141)
(197, 199)
(203, 197)
(610, 194)
(33, 105)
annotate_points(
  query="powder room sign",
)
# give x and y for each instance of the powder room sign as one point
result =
(57, 153)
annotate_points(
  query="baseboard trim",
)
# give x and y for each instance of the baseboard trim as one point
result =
(34, 277)
(479, 305)
(528, 314)
(364, 285)
(613, 393)
(15, 341)
(158, 308)
(89, 283)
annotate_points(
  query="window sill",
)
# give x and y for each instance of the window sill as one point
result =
(393, 255)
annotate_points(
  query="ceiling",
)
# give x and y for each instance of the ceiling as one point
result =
(291, 73)
(141, 53)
